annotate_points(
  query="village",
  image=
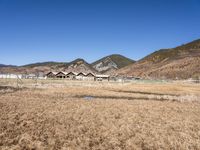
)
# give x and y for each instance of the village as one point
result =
(79, 76)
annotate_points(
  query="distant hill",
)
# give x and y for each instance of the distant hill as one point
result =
(76, 66)
(104, 65)
(2, 65)
(111, 63)
(50, 63)
(181, 62)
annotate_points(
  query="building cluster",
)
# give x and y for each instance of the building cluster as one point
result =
(71, 76)
(77, 76)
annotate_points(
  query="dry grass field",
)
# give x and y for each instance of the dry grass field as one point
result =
(74, 115)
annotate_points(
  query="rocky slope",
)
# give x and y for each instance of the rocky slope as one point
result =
(79, 65)
(109, 64)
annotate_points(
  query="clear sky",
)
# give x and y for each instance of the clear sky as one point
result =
(62, 30)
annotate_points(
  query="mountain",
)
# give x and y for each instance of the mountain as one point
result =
(31, 68)
(111, 63)
(105, 65)
(2, 65)
(181, 62)
(78, 65)
(49, 63)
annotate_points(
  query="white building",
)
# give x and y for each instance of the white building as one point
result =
(11, 76)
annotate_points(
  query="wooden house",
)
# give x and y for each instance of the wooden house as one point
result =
(71, 75)
(51, 74)
(61, 75)
(81, 76)
(90, 76)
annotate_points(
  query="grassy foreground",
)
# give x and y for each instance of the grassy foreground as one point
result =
(91, 115)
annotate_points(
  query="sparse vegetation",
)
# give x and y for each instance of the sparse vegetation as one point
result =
(173, 53)
(121, 61)
(99, 115)
(182, 62)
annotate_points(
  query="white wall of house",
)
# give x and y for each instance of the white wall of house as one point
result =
(10, 76)
(84, 78)
(20, 76)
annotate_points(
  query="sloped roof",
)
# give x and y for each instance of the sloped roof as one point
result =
(75, 73)
(52, 72)
(102, 76)
(90, 73)
(82, 73)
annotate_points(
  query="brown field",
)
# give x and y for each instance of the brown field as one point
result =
(74, 115)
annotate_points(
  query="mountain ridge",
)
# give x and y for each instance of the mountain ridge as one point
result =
(3, 65)
(76, 65)
(179, 62)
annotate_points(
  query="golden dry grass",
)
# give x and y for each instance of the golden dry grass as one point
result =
(88, 115)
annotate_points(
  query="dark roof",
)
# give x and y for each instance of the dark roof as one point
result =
(90, 74)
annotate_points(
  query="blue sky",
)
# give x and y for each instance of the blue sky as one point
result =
(62, 30)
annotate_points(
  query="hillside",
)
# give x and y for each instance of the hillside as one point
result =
(2, 65)
(76, 66)
(50, 63)
(181, 62)
(111, 63)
